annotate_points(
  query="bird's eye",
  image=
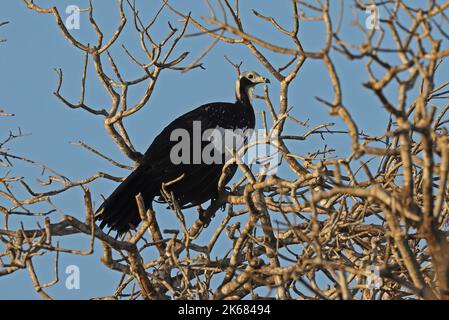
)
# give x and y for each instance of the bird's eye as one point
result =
(250, 76)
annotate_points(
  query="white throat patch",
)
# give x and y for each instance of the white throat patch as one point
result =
(249, 91)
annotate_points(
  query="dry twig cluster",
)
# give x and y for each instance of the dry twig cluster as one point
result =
(314, 233)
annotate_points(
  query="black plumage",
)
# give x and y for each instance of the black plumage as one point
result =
(195, 183)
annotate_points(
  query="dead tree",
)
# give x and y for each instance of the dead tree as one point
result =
(368, 225)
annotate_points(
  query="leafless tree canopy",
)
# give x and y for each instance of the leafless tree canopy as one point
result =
(316, 231)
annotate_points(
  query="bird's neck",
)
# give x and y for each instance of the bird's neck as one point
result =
(243, 92)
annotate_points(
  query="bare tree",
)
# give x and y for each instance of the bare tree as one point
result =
(370, 225)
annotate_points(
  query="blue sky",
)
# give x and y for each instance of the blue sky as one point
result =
(35, 47)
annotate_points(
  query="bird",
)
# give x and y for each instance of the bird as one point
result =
(190, 183)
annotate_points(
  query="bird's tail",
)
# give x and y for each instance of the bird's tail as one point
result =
(119, 211)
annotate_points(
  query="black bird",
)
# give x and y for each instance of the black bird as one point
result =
(195, 182)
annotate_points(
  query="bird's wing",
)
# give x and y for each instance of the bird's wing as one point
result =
(209, 115)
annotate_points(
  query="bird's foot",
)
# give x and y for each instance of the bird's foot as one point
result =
(204, 216)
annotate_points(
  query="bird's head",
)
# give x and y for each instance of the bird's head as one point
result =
(245, 84)
(252, 78)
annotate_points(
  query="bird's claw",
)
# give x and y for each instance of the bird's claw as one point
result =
(204, 216)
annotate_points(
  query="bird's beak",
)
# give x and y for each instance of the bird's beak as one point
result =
(264, 80)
